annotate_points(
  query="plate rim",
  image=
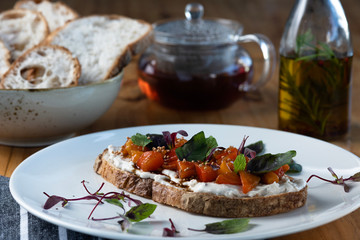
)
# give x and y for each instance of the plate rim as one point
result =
(95, 232)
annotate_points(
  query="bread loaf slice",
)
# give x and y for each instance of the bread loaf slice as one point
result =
(198, 202)
(44, 66)
(103, 44)
(22, 29)
(55, 13)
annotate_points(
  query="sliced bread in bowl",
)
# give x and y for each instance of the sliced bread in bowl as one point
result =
(22, 29)
(104, 44)
(4, 59)
(55, 13)
(44, 66)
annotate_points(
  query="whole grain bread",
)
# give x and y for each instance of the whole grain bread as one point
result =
(104, 44)
(22, 29)
(200, 203)
(44, 66)
(55, 13)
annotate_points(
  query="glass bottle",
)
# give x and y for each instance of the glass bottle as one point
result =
(315, 70)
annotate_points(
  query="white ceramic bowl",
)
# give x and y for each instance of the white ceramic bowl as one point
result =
(44, 116)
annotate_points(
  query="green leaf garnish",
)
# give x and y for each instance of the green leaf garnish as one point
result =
(294, 167)
(211, 143)
(140, 212)
(140, 140)
(269, 162)
(115, 202)
(239, 163)
(258, 147)
(197, 148)
(226, 226)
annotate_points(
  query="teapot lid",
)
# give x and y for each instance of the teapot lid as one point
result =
(194, 30)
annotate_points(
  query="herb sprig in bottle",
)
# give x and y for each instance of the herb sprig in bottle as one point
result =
(315, 70)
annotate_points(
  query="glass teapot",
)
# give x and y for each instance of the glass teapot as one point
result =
(197, 63)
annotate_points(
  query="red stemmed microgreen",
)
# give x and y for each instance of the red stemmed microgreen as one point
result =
(212, 152)
(137, 213)
(53, 200)
(170, 232)
(170, 138)
(337, 180)
(242, 145)
(240, 160)
(249, 153)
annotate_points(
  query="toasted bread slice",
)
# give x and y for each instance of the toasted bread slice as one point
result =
(55, 13)
(103, 44)
(198, 202)
(44, 66)
(22, 29)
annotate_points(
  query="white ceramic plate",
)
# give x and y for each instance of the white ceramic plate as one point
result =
(60, 168)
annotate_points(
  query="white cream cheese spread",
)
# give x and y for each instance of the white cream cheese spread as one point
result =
(169, 177)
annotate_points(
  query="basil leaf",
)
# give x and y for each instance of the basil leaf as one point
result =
(140, 140)
(269, 162)
(294, 167)
(239, 163)
(140, 212)
(197, 148)
(227, 226)
(211, 144)
(258, 147)
(115, 202)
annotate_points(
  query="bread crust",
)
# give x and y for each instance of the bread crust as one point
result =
(4, 60)
(199, 203)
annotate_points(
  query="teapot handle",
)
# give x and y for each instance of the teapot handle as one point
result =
(269, 57)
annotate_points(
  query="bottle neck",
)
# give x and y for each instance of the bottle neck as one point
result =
(315, 23)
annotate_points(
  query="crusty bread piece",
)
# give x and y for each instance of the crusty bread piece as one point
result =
(22, 29)
(55, 13)
(43, 66)
(103, 44)
(195, 202)
(4, 59)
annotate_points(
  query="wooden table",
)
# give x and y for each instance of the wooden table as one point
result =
(131, 108)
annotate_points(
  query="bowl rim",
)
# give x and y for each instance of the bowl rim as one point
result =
(116, 78)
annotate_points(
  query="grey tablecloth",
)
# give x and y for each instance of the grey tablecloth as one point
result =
(17, 223)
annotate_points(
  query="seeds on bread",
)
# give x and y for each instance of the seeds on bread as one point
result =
(203, 203)
(44, 66)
